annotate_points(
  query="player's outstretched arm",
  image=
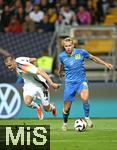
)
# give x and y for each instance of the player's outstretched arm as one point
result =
(100, 61)
(45, 75)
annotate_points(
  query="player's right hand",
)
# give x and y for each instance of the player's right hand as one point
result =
(55, 85)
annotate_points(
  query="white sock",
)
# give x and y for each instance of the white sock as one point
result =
(51, 107)
(34, 105)
(65, 124)
(87, 118)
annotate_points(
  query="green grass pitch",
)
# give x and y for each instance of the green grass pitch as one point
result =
(103, 136)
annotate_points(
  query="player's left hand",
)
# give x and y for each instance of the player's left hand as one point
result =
(109, 66)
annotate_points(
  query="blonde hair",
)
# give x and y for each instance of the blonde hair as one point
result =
(68, 39)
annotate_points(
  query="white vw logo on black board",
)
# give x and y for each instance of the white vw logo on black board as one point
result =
(10, 101)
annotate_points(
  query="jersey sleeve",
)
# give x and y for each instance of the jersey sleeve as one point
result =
(86, 54)
(60, 58)
(24, 65)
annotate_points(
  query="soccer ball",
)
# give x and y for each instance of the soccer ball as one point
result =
(80, 125)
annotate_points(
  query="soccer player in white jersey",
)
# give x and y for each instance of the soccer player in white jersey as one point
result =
(35, 83)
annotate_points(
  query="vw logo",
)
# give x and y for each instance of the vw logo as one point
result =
(10, 101)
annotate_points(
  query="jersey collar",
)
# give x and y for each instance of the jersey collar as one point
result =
(72, 53)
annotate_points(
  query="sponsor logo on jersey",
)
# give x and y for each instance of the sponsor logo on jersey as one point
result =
(77, 56)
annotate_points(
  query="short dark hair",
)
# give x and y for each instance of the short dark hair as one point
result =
(11, 57)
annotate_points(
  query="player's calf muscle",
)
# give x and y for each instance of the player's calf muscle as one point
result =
(47, 108)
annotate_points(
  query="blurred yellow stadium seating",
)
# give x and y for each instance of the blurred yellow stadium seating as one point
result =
(111, 19)
(114, 11)
(99, 46)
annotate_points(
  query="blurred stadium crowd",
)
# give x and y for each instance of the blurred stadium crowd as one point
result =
(18, 16)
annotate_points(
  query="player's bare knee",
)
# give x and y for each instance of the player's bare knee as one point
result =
(84, 95)
(28, 101)
(85, 98)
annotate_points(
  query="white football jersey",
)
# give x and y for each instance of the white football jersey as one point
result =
(28, 71)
